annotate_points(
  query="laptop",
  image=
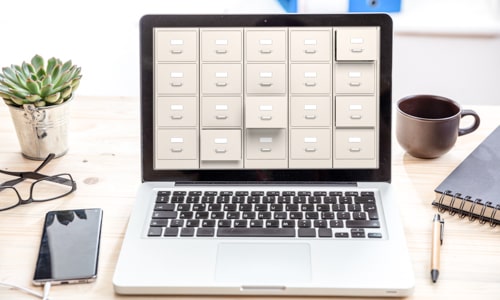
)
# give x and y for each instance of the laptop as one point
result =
(266, 159)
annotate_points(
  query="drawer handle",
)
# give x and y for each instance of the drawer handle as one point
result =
(310, 84)
(310, 150)
(355, 84)
(176, 84)
(310, 51)
(356, 117)
(266, 84)
(221, 51)
(176, 117)
(176, 51)
(220, 117)
(221, 151)
(266, 51)
(266, 149)
(355, 150)
(357, 50)
(221, 84)
(266, 118)
(176, 150)
(310, 117)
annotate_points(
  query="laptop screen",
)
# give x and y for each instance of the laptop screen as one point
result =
(267, 98)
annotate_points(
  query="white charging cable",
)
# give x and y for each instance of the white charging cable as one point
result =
(44, 296)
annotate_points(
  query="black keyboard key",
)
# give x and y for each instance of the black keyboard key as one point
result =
(264, 215)
(200, 207)
(164, 206)
(238, 199)
(304, 223)
(205, 231)
(210, 193)
(194, 193)
(364, 199)
(288, 223)
(336, 224)
(207, 199)
(224, 223)
(186, 215)
(354, 207)
(276, 207)
(292, 207)
(201, 215)
(312, 215)
(249, 215)
(335, 194)
(226, 193)
(171, 231)
(230, 207)
(256, 223)
(256, 232)
(296, 215)
(177, 199)
(183, 207)
(176, 223)
(320, 223)
(241, 193)
(253, 199)
(159, 223)
(307, 207)
(343, 215)
(187, 231)
(307, 232)
(341, 234)
(272, 223)
(164, 193)
(217, 215)
(359, 215)
(193, 223)
(362, 224)
(180, 193)
(351, 193)
(280, 215)
(268, 199)
(273, 193)
(154, 231)
(319, 193)
(257, 193)
(345, 200)
(164, 215)
(299, 200)
(261, 207)
(314, 200)
(323, 207)
(328, 215)
(307, 193)
(338, 207)
(233, 215)
(214, 207)
(208, 223)
(193, 199)
(325, 232)
(288, 193)
(284, 199)
(375, 235)
(368, 194)
(357, 233)
(240, 223)
(246, 207)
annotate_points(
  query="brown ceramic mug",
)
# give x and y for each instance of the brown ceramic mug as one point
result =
(427, 126)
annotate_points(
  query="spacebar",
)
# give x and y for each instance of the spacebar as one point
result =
(256, 232)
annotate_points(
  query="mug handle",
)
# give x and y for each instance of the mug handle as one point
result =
(474, 126)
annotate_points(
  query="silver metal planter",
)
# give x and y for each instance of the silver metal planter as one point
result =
(42, 130)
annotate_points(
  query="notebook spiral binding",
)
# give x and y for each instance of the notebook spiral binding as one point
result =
(481, 217)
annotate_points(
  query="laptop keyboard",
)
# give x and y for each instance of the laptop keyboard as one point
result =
(302, 214)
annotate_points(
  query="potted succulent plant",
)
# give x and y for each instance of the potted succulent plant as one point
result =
(38, 95)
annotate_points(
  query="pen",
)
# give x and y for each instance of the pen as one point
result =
(437, 241)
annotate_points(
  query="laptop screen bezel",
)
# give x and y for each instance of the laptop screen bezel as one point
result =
(381, 174)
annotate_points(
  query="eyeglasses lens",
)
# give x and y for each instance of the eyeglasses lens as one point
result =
(51, 187)
(8, 197)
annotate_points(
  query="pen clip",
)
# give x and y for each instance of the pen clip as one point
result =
(442, 231)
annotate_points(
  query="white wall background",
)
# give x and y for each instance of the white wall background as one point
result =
(445, 47)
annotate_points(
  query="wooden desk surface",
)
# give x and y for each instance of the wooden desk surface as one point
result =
(104, 158)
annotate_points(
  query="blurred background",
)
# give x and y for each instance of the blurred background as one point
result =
(445, 47)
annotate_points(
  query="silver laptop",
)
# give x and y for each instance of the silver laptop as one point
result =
(266, 159)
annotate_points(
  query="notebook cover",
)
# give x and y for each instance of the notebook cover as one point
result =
(478, 176)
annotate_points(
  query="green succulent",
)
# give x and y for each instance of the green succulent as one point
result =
(39, 84)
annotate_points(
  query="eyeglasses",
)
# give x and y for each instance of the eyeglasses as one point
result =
(44, 188)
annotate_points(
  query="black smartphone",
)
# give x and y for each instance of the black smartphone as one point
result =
(69, 249)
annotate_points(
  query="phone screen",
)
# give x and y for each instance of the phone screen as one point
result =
(70, 246)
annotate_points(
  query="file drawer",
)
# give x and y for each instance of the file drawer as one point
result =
(177, 79)
(310, 45)
(177, 45)
(355, 144)
(266, 78)
(310, 143)
(221, 112)
(221, 144)
(355, 78)
(357, 43)
(310, 78)
(221, 45)
(221, 78)
(176, 111)
(266, 144)
(310, 111)
(266, 45)
(266, 112)
(177, 143)
(355, 111)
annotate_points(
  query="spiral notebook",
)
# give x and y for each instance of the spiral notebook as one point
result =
(473, 189)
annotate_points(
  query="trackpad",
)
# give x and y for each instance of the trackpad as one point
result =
(263, 264)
